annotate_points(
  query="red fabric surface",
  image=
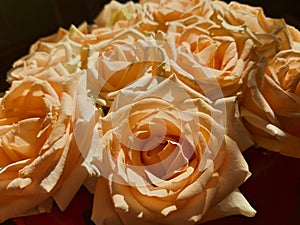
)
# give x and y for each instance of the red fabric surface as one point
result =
(76, 214)
(273, 190)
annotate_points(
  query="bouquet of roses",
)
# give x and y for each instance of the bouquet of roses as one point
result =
(151, 108)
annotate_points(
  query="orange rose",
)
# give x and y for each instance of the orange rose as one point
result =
(164, 158)
(271, 102)
(39, 158)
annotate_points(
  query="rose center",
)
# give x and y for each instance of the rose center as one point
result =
(169, 158)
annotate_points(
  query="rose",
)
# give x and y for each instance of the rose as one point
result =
(39, 158)
(56, 51)
(266, 30)
(272, 35)
(165, 11)
(164, 158)
(66, 51)
(114, 12)
(212, 55)
(271, 101)
(122, 62)
(116, 22)
(253, 17)
(293, 37)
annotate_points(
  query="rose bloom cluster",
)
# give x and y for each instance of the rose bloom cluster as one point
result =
(151, 108)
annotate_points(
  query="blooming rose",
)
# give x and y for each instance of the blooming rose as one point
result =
(293, 37)
(271, 35)
(56, 51)
(164, 158)
(39, 158)
(66, 51)
(271, 103)
(165, 11)
(122, 62)
(114, 12)
(209, 57)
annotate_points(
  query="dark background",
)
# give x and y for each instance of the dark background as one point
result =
(274, 188)
(23, 21)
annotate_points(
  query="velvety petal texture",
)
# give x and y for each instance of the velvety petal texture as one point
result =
(40, 160)
(271, 104)
(150, 107)
(164, 158)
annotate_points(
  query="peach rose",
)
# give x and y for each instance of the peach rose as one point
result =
(271, 102)
(114, 12)
(122, 62)
(293, 37)
(209, 57)
(56, 51)
(164, 158)
(39, 157)
(272, 35)
(66, 51)
(165, 11)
